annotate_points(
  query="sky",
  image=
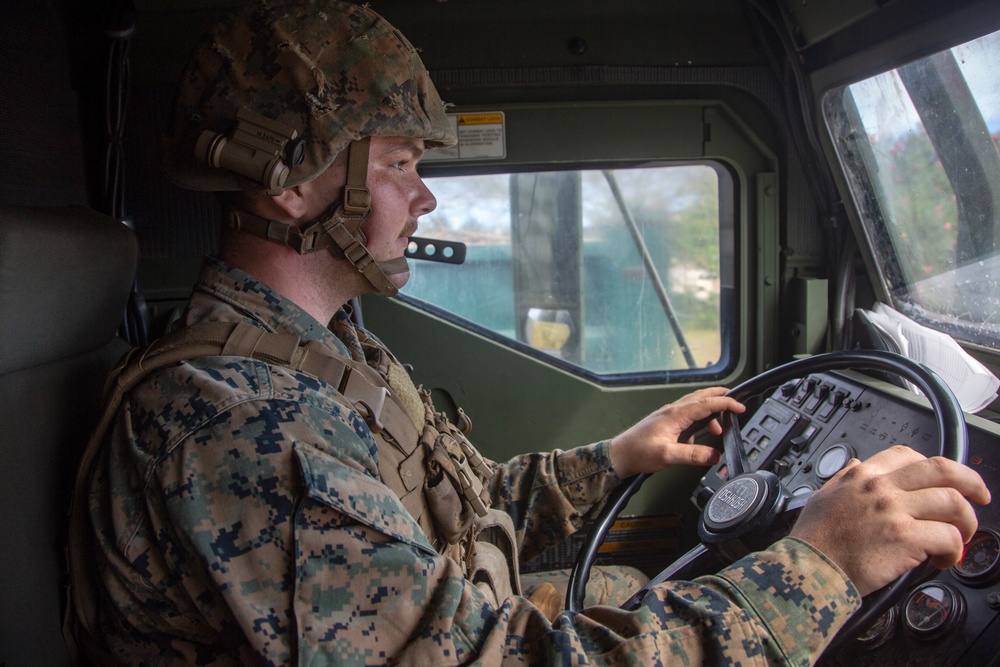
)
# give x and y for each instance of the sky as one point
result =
(885, 107)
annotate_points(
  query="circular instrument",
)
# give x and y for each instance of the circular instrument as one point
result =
(979, 561)
(881, 631)
(933, 609)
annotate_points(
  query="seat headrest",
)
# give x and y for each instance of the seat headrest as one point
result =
(65, 277)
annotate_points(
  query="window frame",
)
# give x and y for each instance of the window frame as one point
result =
(543, 136)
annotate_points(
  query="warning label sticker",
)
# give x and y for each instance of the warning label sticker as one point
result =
(480, 118)
(480, 136)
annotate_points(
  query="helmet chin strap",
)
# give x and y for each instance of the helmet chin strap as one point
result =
(337, 230)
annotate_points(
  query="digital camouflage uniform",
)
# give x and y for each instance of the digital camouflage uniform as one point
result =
(239, 519)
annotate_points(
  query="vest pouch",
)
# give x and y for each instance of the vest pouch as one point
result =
(494, 565)
(489, 573)
(452, 517)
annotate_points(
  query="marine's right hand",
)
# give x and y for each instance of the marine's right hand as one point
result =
(883, 517)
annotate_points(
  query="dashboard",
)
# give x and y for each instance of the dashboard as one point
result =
(807, 430)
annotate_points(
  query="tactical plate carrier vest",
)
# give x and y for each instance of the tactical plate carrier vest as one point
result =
(423, 458)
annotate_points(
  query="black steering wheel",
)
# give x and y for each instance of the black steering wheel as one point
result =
(755, 502)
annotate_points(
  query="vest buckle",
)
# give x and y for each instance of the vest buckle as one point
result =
(472, 488)
(369, 403)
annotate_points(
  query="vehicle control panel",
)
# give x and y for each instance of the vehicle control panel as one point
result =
(807, 430)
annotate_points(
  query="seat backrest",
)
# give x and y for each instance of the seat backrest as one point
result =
(65, 274)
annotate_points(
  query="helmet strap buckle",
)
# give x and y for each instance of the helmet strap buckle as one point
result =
(357, 201)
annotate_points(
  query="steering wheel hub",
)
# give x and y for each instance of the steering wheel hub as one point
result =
(744, 505)
(737, 501)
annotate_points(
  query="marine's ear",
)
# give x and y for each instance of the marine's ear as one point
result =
(293, 201)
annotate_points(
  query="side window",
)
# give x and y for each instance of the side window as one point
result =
(611, 273)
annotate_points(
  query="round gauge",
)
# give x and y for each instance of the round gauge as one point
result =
(880, 631)
(832, 461)
(980, 560)
(932, 609)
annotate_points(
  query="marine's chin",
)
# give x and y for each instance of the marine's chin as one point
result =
(400, 279)
(401, 271)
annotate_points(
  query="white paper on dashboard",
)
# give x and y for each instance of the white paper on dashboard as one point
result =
(974, 385)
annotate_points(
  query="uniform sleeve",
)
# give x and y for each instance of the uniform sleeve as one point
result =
(370, 590)
(548, 494)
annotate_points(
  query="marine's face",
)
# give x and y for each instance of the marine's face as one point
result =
(399, 197)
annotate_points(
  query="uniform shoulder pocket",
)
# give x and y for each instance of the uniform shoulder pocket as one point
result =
(352, 493)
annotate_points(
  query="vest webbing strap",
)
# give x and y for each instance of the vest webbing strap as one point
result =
(360, 385)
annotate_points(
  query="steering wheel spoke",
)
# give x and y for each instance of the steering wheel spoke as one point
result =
(796, 503)
(734, 450)
(695, 561)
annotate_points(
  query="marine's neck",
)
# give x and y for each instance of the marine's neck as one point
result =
(318, 283)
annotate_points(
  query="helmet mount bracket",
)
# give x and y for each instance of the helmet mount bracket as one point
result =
(258, 149)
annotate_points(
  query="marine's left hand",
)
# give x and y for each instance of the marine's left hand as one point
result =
(652, 443)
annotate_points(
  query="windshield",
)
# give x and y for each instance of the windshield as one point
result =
(919, 148)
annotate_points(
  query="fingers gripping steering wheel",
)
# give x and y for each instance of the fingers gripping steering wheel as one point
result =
(762, 505)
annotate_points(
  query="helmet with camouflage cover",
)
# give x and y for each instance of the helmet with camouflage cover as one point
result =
(275, 92)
